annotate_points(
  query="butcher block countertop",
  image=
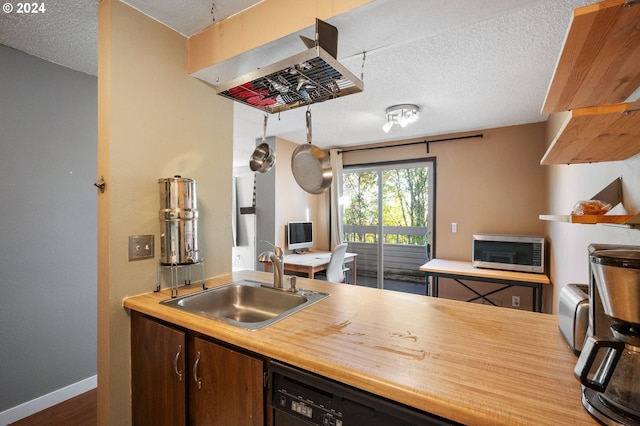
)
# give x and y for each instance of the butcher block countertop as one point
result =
(474, 364)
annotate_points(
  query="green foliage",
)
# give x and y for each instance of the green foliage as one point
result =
(405, 193)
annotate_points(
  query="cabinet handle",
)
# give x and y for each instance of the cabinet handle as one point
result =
(195, 371)
(175, 363)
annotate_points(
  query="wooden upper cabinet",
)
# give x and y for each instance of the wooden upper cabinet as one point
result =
(598, 69)
(600, 61)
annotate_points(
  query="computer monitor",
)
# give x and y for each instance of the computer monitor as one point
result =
(299, 235)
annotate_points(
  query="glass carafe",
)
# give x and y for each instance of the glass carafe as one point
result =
(612, 368)
(623, 390)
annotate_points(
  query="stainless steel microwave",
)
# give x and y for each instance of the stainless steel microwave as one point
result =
(521, 253)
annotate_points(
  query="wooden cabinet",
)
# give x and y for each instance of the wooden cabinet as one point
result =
(224, 386)
(158, 367)
(598, 69)
(227, 386)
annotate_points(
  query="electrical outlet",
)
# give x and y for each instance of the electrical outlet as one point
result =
(515, 301)
(140, 247)
(454, 227)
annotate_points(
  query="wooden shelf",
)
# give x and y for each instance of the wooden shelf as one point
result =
(600, 60)
(587, 219)
(602, 133)
(598, 70)
(611, 194)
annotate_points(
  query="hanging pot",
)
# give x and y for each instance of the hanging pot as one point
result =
(263, 157)
(311, 166)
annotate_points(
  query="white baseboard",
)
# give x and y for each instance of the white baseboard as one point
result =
(28, 408)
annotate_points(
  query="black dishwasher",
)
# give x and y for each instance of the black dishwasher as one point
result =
(301, 398)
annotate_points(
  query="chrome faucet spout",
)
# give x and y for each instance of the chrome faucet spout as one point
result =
(277, 250)
(276, 258)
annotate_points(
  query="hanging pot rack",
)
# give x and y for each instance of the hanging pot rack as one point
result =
(310, 77)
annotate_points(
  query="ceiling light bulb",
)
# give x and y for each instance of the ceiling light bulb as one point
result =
(412, 117)
(402, 114)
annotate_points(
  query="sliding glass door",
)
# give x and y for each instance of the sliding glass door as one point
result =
(387, 218)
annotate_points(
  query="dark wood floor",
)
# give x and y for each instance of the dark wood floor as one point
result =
(81, 410)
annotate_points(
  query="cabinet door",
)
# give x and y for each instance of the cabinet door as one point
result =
(226, 386)
(158, 375)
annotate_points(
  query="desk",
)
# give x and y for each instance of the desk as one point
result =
(457, 270)
(314, 261)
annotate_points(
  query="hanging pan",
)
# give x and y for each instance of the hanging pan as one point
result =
(263, 157)
(311, 166)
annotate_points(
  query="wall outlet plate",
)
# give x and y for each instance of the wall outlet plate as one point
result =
(515, 301)
(140, 247)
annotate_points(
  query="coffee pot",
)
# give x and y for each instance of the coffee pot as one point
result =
(609, 364)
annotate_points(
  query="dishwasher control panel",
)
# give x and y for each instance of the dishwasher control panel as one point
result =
(290, 401)
(302, 398)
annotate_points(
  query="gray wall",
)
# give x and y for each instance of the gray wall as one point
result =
(48, 143)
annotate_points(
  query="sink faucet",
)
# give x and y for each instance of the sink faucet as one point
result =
(276, 258)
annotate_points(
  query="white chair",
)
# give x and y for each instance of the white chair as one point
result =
(335, 269)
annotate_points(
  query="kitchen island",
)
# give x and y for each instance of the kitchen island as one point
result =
(474, 364)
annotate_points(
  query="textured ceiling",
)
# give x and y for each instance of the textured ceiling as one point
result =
(65, 33)
(469, 64)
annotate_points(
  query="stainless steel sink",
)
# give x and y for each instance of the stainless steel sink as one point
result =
(247, 304)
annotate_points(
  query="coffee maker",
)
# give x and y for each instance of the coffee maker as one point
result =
(609, 364)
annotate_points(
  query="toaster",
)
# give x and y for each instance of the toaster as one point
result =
(573, 315)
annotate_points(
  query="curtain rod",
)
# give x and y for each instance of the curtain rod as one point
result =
(479, 135)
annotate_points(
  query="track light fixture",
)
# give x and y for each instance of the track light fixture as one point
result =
(402, 114)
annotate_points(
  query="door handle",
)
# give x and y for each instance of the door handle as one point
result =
(175, 363)
(195, 371)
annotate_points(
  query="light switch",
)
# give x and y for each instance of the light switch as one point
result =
(140, 247)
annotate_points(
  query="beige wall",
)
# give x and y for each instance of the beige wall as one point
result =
(293, 203)
(491, 185)
(494, 184)
(155, 121)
